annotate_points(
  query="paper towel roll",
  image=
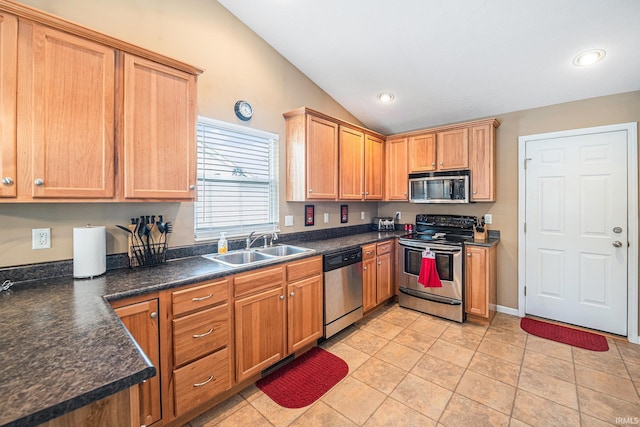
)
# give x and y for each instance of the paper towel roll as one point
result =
(89, 251)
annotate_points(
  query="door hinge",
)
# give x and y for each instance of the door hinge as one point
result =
(525, 291)
(525, 227)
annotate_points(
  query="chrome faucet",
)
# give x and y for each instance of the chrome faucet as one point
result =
(251, 240)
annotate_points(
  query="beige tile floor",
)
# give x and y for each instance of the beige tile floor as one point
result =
(412, 369)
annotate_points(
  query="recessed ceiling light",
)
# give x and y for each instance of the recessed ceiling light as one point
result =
(589, 57)
(386, 97)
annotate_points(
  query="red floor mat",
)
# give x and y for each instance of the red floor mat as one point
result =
(305, 379)
(574, 337)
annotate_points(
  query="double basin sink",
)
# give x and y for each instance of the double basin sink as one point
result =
(257, 255)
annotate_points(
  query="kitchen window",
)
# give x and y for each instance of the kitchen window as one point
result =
(237, 180)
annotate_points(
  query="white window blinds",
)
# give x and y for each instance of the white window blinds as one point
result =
(237, 180)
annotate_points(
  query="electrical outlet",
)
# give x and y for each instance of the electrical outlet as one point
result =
(40, 238)
(288, 220)
(488, 218)
(326, 217)
(398, 215)
(362, 215)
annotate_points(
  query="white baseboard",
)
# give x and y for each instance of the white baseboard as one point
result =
(507, 310)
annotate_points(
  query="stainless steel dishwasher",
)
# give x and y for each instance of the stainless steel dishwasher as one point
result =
(342, 290)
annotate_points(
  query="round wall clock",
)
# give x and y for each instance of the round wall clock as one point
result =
(243, 110)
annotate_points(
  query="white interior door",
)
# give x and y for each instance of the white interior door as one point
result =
(576, 248)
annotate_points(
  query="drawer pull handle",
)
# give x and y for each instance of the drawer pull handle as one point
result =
(202, 298)
(368, 253)
(204, 383)
(203, 335)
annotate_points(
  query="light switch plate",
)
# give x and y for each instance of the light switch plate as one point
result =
(362, 215)
(288, 220)
(326, 217)
(488, 218)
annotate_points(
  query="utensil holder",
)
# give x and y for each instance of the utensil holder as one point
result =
(147, 255)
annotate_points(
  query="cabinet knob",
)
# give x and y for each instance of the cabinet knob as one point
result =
(310, 190)
(468, 254)
(7, 180)
(281, 297)
(192, 187)
(441, 163)
(366, 193)
(474, 192)
(364, 268)
(39, 182)
(154, 315)
(433, 164)
(404, 194)
(379, 262)
(291, 294)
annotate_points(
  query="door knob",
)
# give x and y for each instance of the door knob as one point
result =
(617, 244)
(617, 230)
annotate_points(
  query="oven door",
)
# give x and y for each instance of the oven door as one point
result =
(448, 264)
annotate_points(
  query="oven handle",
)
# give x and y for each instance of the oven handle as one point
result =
(430, 297)
(451, 249)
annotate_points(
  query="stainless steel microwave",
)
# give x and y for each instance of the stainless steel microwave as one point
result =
(439, 187)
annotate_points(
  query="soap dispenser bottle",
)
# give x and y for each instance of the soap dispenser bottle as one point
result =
(222, 243)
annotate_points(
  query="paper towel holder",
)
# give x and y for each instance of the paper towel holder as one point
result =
(89, 251)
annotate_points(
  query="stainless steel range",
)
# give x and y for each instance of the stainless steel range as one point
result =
(444, 235)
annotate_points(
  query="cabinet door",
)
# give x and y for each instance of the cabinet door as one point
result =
(322, 159)
(304, 312)
(8, 91)
(482, 163)
(260, 332)
(453, 149)
(383, 277)
(397, 170)
(476, 286)
(141, 320)
(373, 168)
(67, 92)
(368, 277)
(159, 131)
(422, 149)
(351, 164)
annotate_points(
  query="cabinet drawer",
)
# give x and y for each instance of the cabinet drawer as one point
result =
(200, 333)
(256, 281)
(199, 297)
(201, 380)
(369, 251)
(383, 247)
(306, 268)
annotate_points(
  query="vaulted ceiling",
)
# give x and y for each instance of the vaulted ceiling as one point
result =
(451, 61)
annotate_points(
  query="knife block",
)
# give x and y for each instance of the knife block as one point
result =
(480, 236)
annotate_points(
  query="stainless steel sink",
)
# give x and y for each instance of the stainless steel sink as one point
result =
(238, 258)
(257, 255)
(283, 250)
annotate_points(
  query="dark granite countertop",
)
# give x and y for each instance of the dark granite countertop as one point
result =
(62, 346)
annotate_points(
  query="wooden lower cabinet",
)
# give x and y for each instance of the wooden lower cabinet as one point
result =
(377, 274)
(200, 359)
(304, 303)
(200, 381)
(141, 320)
(480, 283)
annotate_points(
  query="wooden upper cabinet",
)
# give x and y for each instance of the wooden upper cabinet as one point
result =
(373, 168)
(66, 90)
(312, 157)
(159, 131)
(351, 155)
(453, 149)
(8, 81)
(396, 170)
(423, 153)
(482, 163)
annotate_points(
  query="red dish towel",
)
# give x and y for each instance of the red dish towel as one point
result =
(428, 273)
